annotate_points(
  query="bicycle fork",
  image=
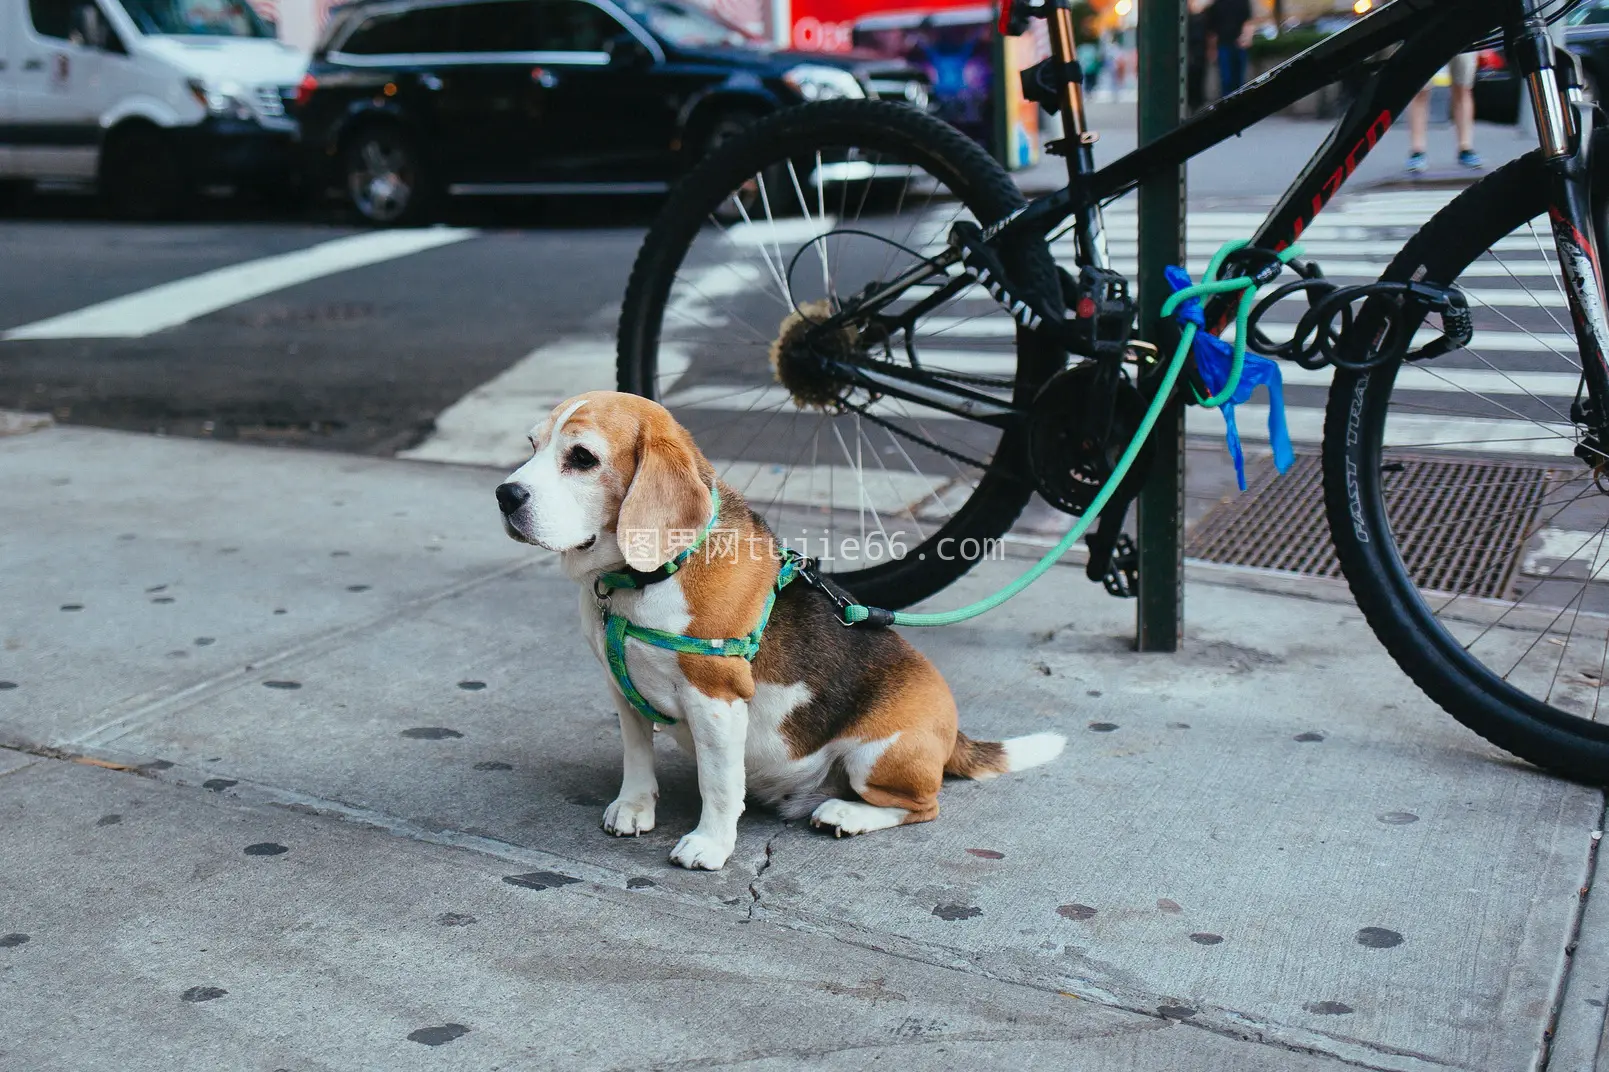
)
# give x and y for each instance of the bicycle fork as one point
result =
(1566, 144)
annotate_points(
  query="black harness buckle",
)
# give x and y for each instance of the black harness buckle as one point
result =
(876, 618)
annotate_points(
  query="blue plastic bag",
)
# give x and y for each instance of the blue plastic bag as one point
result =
(1214, 359)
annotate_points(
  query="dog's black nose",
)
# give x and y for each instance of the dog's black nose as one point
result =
(510, 497)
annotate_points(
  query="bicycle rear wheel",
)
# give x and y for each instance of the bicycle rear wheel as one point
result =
(1475, 542)
(782, 223)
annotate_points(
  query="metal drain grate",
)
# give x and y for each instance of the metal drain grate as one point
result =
(1460, 525)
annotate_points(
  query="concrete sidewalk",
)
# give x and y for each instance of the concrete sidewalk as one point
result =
(309, 759)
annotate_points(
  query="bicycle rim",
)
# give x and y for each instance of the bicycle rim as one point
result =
(775, 233)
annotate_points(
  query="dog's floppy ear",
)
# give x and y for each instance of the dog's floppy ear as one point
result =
(667, 504)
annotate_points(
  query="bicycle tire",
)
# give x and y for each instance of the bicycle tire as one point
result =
(1393, 605)
(986, 190)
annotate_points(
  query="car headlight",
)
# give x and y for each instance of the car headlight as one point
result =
(815, 83)
(226, 99)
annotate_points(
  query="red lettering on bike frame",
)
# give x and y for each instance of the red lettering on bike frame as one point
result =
(1343, 171)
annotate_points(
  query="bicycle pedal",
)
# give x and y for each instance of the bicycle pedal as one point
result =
(1122, 577)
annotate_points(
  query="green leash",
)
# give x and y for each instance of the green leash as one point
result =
(1209, 285)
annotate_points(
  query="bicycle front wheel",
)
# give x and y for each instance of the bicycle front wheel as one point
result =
(1475, 541)
(783, 225)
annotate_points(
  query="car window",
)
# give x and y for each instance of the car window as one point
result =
(501, 26)
(197, 18)
(420, 30)
(51, 18)
(689, 26)
(574, 26)
(1590, 15)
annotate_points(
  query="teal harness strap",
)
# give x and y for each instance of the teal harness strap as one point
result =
(616, 630)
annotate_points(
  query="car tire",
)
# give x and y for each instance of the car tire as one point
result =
(13, 192)
(727, 125)
(140, 174)
(385, 177)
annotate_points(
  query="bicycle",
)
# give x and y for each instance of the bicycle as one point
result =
(869, 226)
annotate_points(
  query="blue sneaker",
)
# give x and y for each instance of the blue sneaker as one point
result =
(1469, 158)
(1416, 163)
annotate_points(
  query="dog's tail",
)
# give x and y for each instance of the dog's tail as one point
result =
(985, 759)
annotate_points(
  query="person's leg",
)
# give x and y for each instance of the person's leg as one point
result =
(1418, 126)
(1237, 66)
(1418, 120)
(1464, 117)
(1463, 71)
(1226, 83)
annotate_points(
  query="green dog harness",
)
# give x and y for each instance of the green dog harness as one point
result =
(616, 628)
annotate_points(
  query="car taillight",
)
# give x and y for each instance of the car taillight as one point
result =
(304, 90)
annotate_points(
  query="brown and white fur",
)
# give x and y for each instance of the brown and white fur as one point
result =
(852, 727)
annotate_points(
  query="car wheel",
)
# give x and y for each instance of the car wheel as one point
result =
(726, 126)
(387, 182)
(750, 198)
(140, 176)
(13, 192)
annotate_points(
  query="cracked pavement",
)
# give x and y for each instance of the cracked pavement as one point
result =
(304, 764)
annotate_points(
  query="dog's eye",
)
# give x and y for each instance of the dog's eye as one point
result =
(580, 459)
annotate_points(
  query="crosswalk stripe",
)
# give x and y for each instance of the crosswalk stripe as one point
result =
(1404, 431)
(171, 304)
(1002, 327)
(1559, 386)
(839, 487)
(1552, 548)
(488, 425)
(1371, 270)
(1320, 250)
(1487, 297)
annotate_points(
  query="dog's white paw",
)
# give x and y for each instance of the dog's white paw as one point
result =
(628, 818)
(700, 852)
(852, 817)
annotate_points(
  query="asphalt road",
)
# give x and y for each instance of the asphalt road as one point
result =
(358, 360)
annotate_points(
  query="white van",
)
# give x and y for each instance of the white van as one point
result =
(146, 98)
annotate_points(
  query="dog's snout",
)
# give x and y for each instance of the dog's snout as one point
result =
(510, 497)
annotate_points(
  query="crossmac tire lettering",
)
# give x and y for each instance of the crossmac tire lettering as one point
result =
(1354, 488)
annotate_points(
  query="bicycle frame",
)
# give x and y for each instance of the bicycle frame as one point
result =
(1429, 32)
(1422, 36)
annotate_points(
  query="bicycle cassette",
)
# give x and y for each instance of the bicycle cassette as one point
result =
(1080, 424)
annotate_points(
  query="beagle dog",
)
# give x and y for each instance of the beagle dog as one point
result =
(852, 727)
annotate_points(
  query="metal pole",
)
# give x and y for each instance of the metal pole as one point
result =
(1161, 212)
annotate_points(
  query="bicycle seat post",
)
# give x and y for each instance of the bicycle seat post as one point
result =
(1064, 49)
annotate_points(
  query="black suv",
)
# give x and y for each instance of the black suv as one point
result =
(407, 100)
